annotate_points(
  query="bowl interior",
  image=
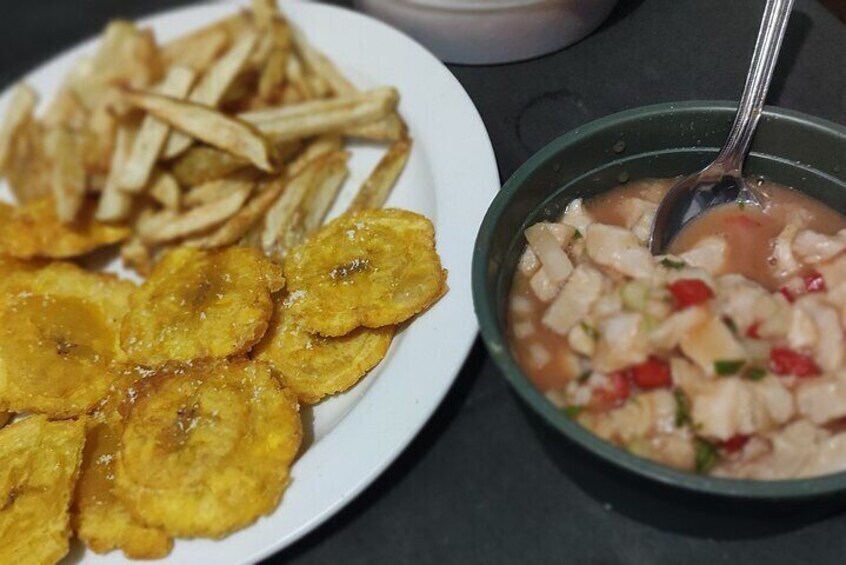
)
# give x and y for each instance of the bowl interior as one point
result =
(667, 140)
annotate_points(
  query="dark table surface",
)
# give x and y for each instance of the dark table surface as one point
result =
(480, 484)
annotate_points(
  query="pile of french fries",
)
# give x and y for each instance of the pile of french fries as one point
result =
(234, 134)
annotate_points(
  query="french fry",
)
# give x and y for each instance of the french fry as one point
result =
(215, 190)
(238, 225)
(151, 138)
(320, 65)
(331, 173)
(197, 52)
(313, 151)
(64, 148)
(375, 190)
(180, 51)
(216, 129)
(99, 142)
(390, 128)
(28, 169)
(212, 86)
(323, 116)
(265, 12)
(65, 110)
(115, 204)
(280, 216)
(168, 226)
(165, 190)
(138, 256)
(22, 104)
(201, 164)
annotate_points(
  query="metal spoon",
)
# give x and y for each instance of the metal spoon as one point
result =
(722, 182)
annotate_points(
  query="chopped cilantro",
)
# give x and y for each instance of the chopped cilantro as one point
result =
(727, 368)
(670, 264)
(584, 376)
(573, 411)
(578, 235)
(741, 204)
(754, 374)
(589, 330)
(731, 325)
(706, 455)
(682, 409)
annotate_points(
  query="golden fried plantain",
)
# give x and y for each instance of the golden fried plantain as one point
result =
(314, 366)
(201, 305)
(40, 466)
(4, 418)
(59, 339)
(373, 268)
(34, 230)
(99, 517)
(207, 447)
(9, 265)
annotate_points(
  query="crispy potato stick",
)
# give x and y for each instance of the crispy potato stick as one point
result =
(390, 128)
(165, 190)
(19, 111)
(296, 77)
(201, 164)
(214, 190)
(264, 12)
(115, 204)
(184, 50)
(201, 53)
(331, 173)
(238, 225)
(212, 86)
(68, 173)
(151, 138)
(281, 214)
(323, 116)
(210, 126)
(320, 65)
(274, 73)
(313, 151)
(99, 142)
(375, 190)
(167, 225)
(135, 254)
(65, 110)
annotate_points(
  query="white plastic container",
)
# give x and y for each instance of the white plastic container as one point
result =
(492, 31)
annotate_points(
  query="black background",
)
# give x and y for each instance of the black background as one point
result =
(481, 484)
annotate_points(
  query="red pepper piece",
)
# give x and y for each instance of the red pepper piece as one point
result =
(615, 394)
(785, 361)
(814, 282)
(785, 292)
(653, 373)
(735, 443)
(752, 332)
(690, 292)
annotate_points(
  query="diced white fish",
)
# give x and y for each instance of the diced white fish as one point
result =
(667, 334)
(618, 249)
(822, 399)
(577, 216)
(812, 247)
(548, 247)
(710, 253)
(580, 293)
(622, 342)
(784, 261)
(542, 287)
(828, 349)
(710, 342)
(528, 263)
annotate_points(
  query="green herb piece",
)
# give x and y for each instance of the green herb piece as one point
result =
(584, 377)
(727, 368)
(731, 325)
(755, 374)
(670, 264)
(573, 411)
(741, 204)
(706, 455)
(577, 236)
(589, 330)
(682, 409)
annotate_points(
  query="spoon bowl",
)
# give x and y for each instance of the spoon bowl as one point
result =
(722, 182)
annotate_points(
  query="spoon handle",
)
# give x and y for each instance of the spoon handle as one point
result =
(770, 36)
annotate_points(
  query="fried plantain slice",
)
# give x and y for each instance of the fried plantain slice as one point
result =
(222, 435)
(9, 265)
(40, 466)
(34, 230)
(314, 366)
(201, 305)
(4, 418)
(373, 268)
(59, 339)
(99, 518)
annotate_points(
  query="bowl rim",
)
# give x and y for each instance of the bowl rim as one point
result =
(499, 349)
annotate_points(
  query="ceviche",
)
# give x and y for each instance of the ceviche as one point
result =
(724, 357)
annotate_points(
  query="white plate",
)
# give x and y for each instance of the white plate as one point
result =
(451, 178)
